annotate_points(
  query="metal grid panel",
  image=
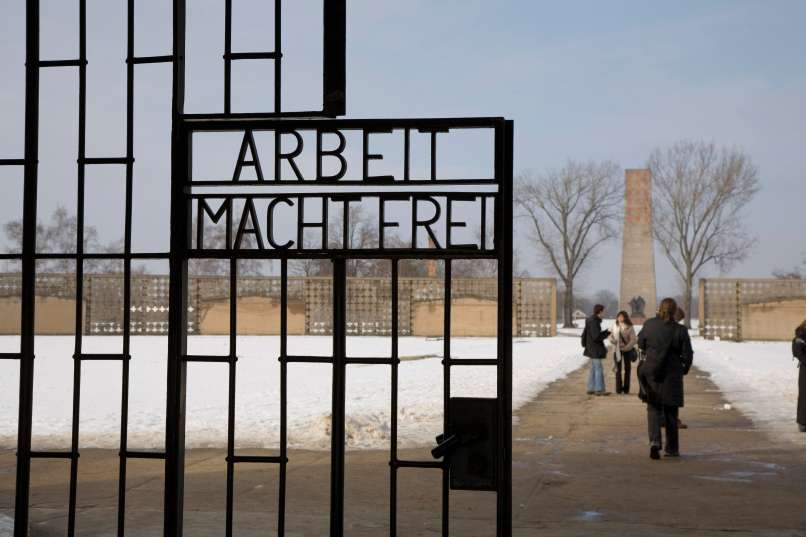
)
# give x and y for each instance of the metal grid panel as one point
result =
(368, 301)
(536, 307)
(721, 309)
(725, 301)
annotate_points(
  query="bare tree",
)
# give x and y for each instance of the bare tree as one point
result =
(60, 235)
(571, 211)
(796, 273)
(609, 300)
(362, 232)
(699, 196)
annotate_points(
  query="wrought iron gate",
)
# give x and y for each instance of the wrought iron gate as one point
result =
(234, 203)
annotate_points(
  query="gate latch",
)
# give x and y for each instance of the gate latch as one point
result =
(470, 445)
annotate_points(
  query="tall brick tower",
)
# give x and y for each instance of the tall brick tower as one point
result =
(638, 293)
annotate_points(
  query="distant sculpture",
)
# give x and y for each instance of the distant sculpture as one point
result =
(638, 253)
(637, 305)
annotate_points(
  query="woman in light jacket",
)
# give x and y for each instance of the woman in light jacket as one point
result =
(624, 340)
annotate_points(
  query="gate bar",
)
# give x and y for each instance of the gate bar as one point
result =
(27, 317)
(504, 235)
(283, 397)
(446, 392)
(339, 388)
(393, 462)
(178, 299)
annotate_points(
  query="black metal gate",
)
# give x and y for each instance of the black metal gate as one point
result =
(235, 203)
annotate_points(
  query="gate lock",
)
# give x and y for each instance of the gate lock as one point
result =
(470, 445)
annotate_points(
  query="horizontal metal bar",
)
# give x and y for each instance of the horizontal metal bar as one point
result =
(12, 161)
(54, 455)
(106, 160)
(306, 359)
(386, 253)
(62, 63)
(209, 358)
(417, 464)
(150, 59)
(273, 116)
(372, 188)
(144, 454)
(10, 355)
(257, 458)
(218, 122)
(472, 361)
(370, 361)
(102, 356)
(253, 56)
(141, 255)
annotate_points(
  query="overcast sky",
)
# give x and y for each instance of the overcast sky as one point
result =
(582, 80)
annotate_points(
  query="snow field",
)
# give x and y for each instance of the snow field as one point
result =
(537, 362)
(759, 378)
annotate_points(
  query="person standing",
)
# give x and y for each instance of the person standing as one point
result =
(799, 352)
(668, 358)
(624, 354)
(679, 317)
(593, 338)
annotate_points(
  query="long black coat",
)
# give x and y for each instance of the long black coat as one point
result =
(593, 338)
(799, 352)
(669, 356)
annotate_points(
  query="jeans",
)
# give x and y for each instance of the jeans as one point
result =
(656, 416)
(623, 386)
(596, 381)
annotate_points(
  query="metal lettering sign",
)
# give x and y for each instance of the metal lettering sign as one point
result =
(260, 209)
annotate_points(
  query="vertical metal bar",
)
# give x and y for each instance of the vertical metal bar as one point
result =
(177, 315)
(28, 284)
(283, 396)
(446, 392)
(278, 48)
(393, 418)
(703, 324)
(227, 60)
(334, 66)
(504, 243)
(339, 386)
(79, 318)
(233, 338)
(127, 270)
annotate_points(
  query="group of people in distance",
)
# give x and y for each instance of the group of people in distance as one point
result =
(664, 354)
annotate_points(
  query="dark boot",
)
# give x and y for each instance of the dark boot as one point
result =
(802, 428)
(654, 453)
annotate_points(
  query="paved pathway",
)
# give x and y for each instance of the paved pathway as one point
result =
(581, 467)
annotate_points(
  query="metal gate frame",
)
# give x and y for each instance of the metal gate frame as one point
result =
(333, 104)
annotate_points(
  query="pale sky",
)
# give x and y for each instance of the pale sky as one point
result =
(581, 79)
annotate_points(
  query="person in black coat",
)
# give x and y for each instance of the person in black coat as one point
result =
(669, 355)
(593, 338)
(799, 352)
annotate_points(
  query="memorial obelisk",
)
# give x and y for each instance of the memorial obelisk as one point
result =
(638, 294)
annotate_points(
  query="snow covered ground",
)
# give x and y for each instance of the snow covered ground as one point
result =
(759, 378)
(537, 362)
